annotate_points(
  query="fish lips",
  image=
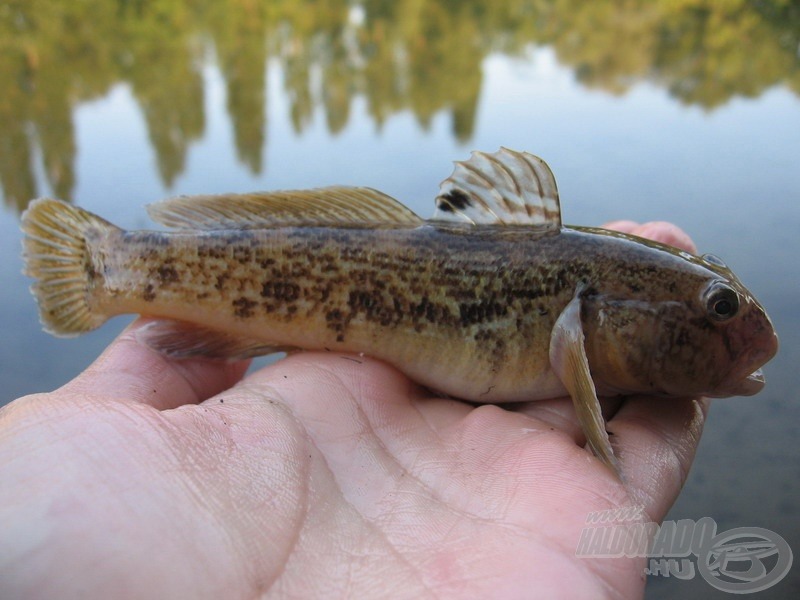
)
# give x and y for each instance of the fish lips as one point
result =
(749, 386)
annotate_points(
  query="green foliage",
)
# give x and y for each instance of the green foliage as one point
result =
(422, 56)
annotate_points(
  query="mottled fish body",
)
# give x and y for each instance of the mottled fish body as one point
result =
(493, 300)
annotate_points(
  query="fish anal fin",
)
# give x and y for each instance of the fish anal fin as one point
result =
(569, 361)
(506, 187)
(322, 206)
(180, 339)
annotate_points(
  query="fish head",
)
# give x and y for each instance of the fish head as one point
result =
(710, 341)
(746, 339)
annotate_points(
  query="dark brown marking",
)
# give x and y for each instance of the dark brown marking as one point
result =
(167, 274)
(480, 312)
(337, 322)
(243, 307)
(283, 291)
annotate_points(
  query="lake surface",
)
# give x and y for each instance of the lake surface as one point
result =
(679, 111)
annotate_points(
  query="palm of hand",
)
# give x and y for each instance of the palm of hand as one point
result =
(322, 473)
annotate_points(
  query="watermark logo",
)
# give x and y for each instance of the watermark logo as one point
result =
(739, 561)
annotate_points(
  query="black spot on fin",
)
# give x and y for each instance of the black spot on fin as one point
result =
(452, 201)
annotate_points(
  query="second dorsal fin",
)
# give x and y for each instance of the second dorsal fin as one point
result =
(503, 188)
(335, 204)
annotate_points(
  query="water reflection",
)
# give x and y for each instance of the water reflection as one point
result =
(401, 55)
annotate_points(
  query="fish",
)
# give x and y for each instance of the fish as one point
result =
(491, 300)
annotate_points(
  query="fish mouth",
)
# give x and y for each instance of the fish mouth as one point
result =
(749, 386)
(763, 346)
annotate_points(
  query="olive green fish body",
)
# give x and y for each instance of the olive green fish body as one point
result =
(468, 314)
(493, 300)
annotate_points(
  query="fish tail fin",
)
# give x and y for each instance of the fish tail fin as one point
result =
(57, 252)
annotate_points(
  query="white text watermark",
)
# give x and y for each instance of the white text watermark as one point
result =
(740, 561)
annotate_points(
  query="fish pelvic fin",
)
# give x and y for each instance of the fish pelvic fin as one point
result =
(569, 361)
(57, 252)
(179, 339)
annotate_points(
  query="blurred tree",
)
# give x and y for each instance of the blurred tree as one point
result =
(239, 30)
(160, 58)
(422, 56)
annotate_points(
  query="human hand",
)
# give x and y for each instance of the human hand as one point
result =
(321, 475)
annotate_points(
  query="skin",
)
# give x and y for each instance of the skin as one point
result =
(323, 475)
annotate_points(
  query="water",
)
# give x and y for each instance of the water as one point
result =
(688, 112)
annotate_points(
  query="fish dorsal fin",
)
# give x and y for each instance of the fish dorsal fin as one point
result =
(321, 206)
(507, 187)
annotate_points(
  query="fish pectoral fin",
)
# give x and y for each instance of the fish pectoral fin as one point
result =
(568, 360)
(180, 339)
(503, 188)
(289, 208)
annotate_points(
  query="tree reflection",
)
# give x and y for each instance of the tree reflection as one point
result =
(420, 56)
(240, 33)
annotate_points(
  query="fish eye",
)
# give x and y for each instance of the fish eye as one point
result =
(722, 301)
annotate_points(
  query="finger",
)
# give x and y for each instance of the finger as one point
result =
(621, 226)
(656, 440)
(132, 372)
(559, 413)
(658, 231)
(325, 385)
(341, 398)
